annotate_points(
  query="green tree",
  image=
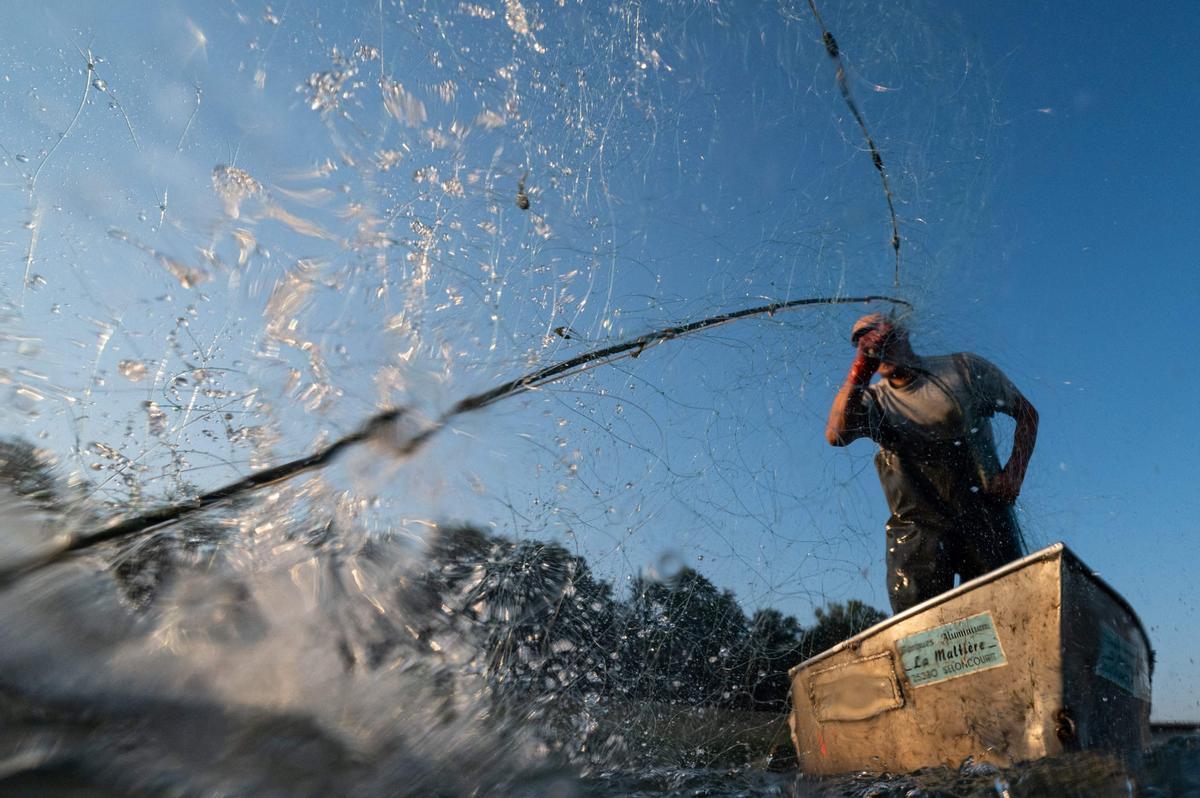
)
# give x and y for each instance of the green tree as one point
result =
(773, 645)
(837, 622)
(542, 622)
(29, 472)
(681, 641)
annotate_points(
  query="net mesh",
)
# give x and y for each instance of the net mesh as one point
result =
(238, 243)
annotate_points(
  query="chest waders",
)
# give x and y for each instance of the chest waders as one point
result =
(941, 522)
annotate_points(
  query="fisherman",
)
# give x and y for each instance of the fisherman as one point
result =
(950, 500)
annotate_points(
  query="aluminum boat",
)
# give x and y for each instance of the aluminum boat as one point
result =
(1036, 658)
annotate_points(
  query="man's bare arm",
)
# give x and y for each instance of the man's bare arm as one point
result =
(1006, 486)
(848, 414)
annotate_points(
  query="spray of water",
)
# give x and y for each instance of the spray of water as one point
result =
(220, 580)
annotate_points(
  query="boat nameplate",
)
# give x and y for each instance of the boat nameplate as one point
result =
(856, 690)
(1120, 663)
(951, 650)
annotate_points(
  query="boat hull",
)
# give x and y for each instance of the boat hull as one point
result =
(1033, 659)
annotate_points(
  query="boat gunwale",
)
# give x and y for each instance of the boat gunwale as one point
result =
(1050, 552)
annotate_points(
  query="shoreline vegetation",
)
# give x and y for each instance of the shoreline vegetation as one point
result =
(671, 683)
(675, 663)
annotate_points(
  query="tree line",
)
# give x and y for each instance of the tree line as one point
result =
(547, 624)
(541, 623)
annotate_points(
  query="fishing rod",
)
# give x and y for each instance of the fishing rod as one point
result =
(384, 420)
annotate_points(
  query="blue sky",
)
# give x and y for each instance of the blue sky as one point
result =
(680, 161)
(1094, 264)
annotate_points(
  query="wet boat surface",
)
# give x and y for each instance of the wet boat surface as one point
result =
(1037, 658)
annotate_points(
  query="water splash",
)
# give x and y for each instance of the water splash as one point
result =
(132, 370)
(420, 203)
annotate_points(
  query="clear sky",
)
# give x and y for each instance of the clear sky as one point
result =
(170, 322)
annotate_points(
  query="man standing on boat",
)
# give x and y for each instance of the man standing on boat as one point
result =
(950, 499)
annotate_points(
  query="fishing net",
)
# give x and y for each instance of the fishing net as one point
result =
(240, 232)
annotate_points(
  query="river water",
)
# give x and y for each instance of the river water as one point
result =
(301, 669)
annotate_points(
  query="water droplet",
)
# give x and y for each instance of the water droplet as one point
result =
(104, 450)
(155, 418)
(22, 157)
(132, 370)
(233, 186)
(99, 85)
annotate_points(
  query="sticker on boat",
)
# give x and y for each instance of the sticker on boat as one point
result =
(951, 650)
(855, 690)
(1120, 664)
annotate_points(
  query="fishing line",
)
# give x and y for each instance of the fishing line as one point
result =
(385, 419)
(831, 47)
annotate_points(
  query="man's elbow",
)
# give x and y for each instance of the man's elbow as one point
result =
(835, 436)
(1029, 414)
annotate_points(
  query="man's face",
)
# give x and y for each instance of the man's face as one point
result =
(886, 369)
(882, 338)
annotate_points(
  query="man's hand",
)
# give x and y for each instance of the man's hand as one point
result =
(1003, 487)
(1006, 485)
(868, 357)
(872, 322)
(847, 414)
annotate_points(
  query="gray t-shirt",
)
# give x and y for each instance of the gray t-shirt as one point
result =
(950, 403)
